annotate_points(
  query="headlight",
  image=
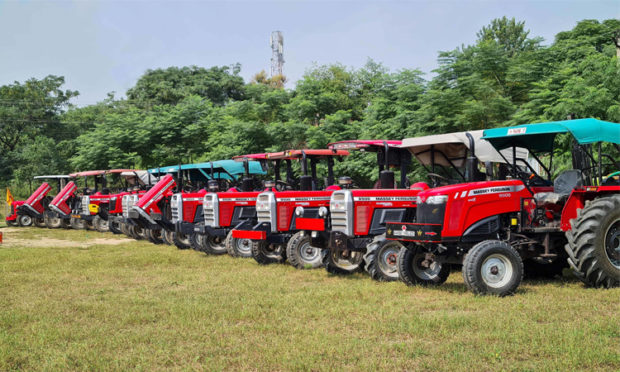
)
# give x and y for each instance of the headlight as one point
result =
(299, 211)
(437, 199)
(339, 205)
(323, 212)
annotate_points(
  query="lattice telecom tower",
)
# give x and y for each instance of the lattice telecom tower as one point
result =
(277, 53)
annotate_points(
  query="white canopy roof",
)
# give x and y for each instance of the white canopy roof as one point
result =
(143, 177)
(453, 147)
(51, 176)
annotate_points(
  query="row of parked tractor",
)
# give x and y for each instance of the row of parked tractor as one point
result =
(489, 203)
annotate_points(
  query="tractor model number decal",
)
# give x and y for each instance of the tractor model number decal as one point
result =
(314, 198)
(384, 198)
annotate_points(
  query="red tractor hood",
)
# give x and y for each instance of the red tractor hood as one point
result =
(59, 203)
(156, 193)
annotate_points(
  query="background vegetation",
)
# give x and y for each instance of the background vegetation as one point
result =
(194, 113)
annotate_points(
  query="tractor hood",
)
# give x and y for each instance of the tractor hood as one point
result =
(472, 189)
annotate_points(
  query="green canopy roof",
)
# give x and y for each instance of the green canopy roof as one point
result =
(221, 169)
(540, 136)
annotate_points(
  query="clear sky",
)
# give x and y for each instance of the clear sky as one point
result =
(104, 46)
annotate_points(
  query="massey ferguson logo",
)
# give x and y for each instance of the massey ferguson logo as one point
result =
(491, 190)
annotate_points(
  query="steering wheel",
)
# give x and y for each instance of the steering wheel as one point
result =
(282, 186)
(437, 179)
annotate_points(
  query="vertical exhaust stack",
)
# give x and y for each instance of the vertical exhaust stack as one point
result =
(472, 162)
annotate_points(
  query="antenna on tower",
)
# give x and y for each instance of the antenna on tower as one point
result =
(277, 53)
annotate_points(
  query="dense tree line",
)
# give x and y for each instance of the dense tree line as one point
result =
(192, 113)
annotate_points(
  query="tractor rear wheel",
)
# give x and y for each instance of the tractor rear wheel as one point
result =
(416, 267)
(153, 236)
(238, 247)
(77, 224)
(343, 262)
(594, 243)
(301, 254)
(265, 253)
(167, 236)
(39, 222)
(382, 259)
(24, 220)
(115, 227)
(492, 267)
(100, 224)
(181, 240)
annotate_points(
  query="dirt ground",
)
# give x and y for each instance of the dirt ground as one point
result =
(18, 237)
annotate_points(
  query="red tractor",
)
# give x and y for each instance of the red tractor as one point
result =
(94, 204)
(67, 203)
(158, 212)
(495, 228)
(32, 210)
(354, 231)
(277, 211)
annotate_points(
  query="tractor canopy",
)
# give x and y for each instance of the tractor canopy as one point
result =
(364, 145)
(540, 136)
(221, 169)
(452, 149)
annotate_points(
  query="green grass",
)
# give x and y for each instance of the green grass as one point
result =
(146, 307)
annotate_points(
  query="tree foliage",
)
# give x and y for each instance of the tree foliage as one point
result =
(187, 114)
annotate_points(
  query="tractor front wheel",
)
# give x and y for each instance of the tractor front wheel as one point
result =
(24, 220)
(594, 243)
(100, 224)
(343, 262)
(265, 253)
(77, 224)
(214, 245)
(492, 267)
(136, 232)
(382, 259)
(167, 236)
(181, 240)
(416, 267)
(238, 247)
(39, 222)
(301, 254)
(153, 236)
(115, 227)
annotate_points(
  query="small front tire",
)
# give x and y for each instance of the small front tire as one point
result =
(238, 247)
(301, 254)
(493, 267)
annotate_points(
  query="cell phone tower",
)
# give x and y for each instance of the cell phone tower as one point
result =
(277, 53)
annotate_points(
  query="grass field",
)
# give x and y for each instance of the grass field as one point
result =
(69, 302)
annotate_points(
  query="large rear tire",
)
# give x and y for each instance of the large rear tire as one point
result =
(493, 267)
(265, 253)
(382, 259)
(343, 262)
(301, 254)
(416, 267)
(238, 247)
(181, 240)
(594, 243)
(24, 220)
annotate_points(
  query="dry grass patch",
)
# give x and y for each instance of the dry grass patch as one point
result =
(135, 305)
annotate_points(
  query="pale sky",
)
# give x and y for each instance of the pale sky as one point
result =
(103, 46)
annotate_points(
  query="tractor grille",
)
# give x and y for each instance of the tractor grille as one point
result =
(176, 207)
(341, 212)
(264, 214)
(430, 213)
(85, 202)
(210, 207)
(128, 202)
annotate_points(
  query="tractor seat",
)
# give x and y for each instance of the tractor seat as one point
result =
(563, 185)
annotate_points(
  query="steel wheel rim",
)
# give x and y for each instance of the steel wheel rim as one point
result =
(425, 273)
(183, 238)
(388, 258)
(214, 242)
(496, 270)
(612, 244)
(27, 220)
(309, 253)
(104, 224)
(347, 263)
(243, 245)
